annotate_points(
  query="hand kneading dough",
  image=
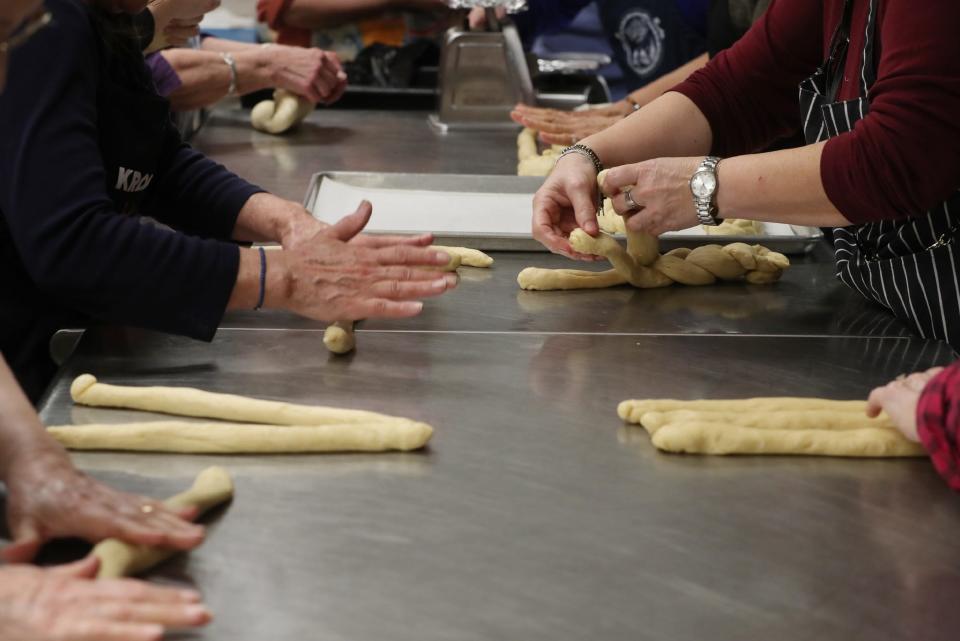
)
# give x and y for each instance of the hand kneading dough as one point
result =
(244, 438)
(715, 438)
(808, 426)
(186, 401)
(468, 257)
(284, 112)
(212, 487)
(339, 337)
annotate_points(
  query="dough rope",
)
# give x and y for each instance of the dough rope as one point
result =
(187, 401)
(642, 265)
(468, 257)
(735, 227)
(530, 162)
(284, 112)
(339, 337)
(212, 487)
(798, 426)
(184, 437)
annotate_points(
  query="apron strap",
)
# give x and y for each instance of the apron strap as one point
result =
(833, 69)
(868, 63)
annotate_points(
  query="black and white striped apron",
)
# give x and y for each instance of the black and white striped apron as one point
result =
(910, 266)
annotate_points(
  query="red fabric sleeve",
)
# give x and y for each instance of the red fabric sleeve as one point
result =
(271, 12)
(938, 421)
(904, 157)
(749, 93)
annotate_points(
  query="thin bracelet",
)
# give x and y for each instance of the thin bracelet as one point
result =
(232, 63)
(586, 152)
(263, 279)
(633, 103)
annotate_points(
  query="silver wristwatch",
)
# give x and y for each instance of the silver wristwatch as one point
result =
(703, 186)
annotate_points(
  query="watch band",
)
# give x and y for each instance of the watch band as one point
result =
(232, 63)
(707, 208)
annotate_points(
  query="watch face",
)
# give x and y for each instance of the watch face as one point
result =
(703, 184)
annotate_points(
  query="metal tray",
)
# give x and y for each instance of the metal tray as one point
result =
(509, 232)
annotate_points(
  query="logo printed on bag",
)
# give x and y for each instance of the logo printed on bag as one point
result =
(641, 37)
(131, 181)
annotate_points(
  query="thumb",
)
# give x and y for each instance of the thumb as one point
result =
(26, 543)
(349, 226)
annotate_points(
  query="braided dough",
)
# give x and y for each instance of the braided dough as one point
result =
(735, 227)
(284, 112)
(244, 438)
(802, 426)
(212, 487)
(642, 265)
(530, 162)
(186, 401)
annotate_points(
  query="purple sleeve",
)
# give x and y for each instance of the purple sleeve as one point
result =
(165, 77)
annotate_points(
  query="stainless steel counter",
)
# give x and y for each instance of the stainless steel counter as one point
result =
(536, 514)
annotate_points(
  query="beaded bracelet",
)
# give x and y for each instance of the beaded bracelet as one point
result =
(586, 152)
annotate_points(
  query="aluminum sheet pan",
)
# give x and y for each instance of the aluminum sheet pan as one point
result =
(487, 212)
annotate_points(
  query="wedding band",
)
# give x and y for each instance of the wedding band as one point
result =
(147, 509)
(628, 197)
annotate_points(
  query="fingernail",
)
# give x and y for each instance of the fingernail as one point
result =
(198, 613)
(418, 306)
(452, 279)
(441, 257)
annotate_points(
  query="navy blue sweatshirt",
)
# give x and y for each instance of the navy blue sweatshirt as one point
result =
(86, 148)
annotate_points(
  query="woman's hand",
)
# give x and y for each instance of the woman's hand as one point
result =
(899, 400)
(178, 20)
(66, 604)
(48, 498)
(328, 274)
(567, 127)
(313, 73)
(567, 200)
(661, 190)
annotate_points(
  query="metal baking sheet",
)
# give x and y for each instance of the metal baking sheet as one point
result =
(490, 212)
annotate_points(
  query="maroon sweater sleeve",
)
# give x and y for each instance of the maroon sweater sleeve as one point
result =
(938, 423)
(904, 157)
(749, 93)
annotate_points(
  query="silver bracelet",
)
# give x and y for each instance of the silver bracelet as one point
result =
(586, 152)
(232, 63)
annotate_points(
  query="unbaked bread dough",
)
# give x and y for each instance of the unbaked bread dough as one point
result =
(735, 227)
(284, 112)
(530, 162)
(187, 401)
(720, 439)
(540, 279)
(642, 265)
(468, 257)
(245, 438)
(339, 337)
(212, 487)
(783, 425)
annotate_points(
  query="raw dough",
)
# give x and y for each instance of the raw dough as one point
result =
(468, 257)
(339, 337)
(715, 438)
(529, 161)
(537, 278)
(284, 112)
(642, 265)
(633, 410)
(773, 420)
(245, 438)
(212, 487)
(735, 227)
(186, 401)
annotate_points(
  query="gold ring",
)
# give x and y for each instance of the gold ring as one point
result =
(147, 509)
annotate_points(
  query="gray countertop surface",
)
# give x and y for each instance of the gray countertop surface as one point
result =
(535, 513)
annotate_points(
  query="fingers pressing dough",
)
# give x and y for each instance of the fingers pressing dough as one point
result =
(284, 112)
(187, 401)
(212, 487)
(244, 438)
(468, 257)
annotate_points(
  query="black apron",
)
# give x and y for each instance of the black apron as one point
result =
(135, 131)
(910, 266)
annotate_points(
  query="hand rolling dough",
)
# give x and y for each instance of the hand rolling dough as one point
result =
(284, 112)
(244, 438)
(186, 401)
(212, 487)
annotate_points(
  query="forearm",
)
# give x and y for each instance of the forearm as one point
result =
(206, 77)
(670, 126)
(650, 92)
(20, 427)
(267, 218)
(781, 186)
(322, 14)
(232, 46)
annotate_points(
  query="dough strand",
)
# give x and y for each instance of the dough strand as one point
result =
(212, 487)
(339, 337)
(469, 257)
(779, 420)
(244, 438)
(284, 112)
(187, 401)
